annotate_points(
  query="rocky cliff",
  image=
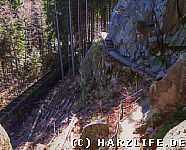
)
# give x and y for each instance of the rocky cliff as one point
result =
(170, 91)
(146, 29)
(153, 33)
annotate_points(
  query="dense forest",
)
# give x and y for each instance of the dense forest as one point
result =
(96, 69)
(36, 35)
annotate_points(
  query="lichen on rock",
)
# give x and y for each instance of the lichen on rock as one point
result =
(102, 77)
(144, 31)
(169, 92)
(176, 133)
(4, 140)
(93, 69)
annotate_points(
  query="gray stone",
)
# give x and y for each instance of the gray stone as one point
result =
(179, 38)
(169, 92)
(176, 133)
(184, 109)
(94, 131)
(133, 28)
(4, 140)
(160, 75)
(149, 130)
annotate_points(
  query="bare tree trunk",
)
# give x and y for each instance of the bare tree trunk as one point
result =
(71, 38)
(101, 21)
(59, 44)
(109, 14)
(79, 29)
(97, 19)
(92, 26)
(3, 70)
(89, 29)
(68, 55)
(86, 24)
(16, 63)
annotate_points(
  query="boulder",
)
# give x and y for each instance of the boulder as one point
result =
(176, 133)
(173, 16)
(40, 147)
(94, 131)
(4, 140)
(169, 92)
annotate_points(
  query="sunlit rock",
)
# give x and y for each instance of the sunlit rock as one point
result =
(40, 147)
(139, 28)
(177, 133)
(169, 92)
(4, 140)
(94, 131)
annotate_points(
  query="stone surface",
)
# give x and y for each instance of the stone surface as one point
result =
(160, 75)
(170, 91)
(94, 131)
(4, 140)
(138, 27)
(149, 130)
(40, 147)
(179, 38)
(178, 132)
(173, 16)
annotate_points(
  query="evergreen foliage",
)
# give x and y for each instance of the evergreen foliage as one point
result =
(28, 35)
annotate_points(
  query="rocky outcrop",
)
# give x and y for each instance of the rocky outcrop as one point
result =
(173, 16)
(94, 131)
(4, 140)
(170, 91)
(149, 32)
(102, 77)
(178, 132)
(142, 30)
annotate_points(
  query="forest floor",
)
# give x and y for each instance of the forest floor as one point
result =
(52, 116)
(9, 92)
(49, 117)
(62, 114)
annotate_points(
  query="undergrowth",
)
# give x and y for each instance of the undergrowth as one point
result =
(168, 121)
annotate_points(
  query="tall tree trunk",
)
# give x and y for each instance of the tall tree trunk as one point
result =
(3, 70)
(92, 26)
(89, 29)
(71, 38)
(101, 21)
(86, 24)
(69, 55)
(16, 63)
(97, 19)
(79, 30)
(59, 44)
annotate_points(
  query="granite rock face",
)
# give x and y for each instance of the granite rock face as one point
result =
(139, 29)
(170, 91)
(173, 17)
(4, 140)
(153, 34)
